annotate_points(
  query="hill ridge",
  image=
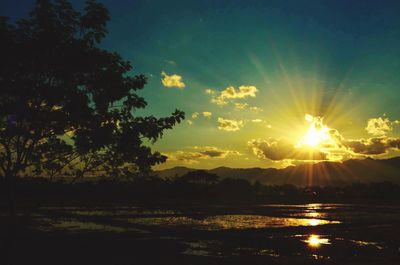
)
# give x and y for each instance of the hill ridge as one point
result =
(323, 173)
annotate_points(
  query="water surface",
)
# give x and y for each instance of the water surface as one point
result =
(311, 231)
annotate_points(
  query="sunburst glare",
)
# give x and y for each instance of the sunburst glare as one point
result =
(317, 135)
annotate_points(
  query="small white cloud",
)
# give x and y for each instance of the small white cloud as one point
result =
(241, 105)
(262, 122)
(379, 126)
(256, 109)
(195, 115)
(172, 62)
(231, 93)
(207, 114)
(230, 125)
(209, 91)
(172, 80)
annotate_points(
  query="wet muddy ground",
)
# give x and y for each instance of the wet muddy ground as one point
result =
(261, 234)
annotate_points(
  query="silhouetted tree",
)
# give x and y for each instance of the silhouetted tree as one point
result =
(67, 103)
(235, 189)
(199, 177)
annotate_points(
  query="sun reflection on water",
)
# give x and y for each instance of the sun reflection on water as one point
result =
(316, 241)
(313, 214)
(314, 222)
(232, 221)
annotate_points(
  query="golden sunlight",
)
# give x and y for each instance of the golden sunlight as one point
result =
(316, 241)
(314, 222)
(317, 135)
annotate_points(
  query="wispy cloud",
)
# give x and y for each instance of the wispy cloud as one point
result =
(194, 154)
(256, 109)
(246, 106)
(241, 105)
(196, 115)
(172, 62)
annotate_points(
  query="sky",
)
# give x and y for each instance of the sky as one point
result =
(263, 83)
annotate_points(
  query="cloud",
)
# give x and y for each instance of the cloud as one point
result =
(195, 115)
(282, 149)
(172, 80)
(323, 143)
(231, 93)
(170, 62)
(209, 91)
(373, 146)
(212, 151)
(196, 153)
(256, 109)
(379, 126)
(207, 114)
(261, 122)
(380, 143)
(230, 125)
(241, 105)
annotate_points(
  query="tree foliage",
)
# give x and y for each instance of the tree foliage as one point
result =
(65, 102)
(199, 177)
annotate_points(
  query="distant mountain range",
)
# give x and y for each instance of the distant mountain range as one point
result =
(321, 174)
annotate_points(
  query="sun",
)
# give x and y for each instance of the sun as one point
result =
(317, 135)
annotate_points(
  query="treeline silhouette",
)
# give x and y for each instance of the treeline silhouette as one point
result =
(194, 187)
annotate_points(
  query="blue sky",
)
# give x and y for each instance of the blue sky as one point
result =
(333, 59)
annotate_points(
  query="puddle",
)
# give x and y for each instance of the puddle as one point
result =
(367, 243)
(122, 212)
(71, 225)
(74, 225)
(255, 252)
(221, 222)
(201, 248)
